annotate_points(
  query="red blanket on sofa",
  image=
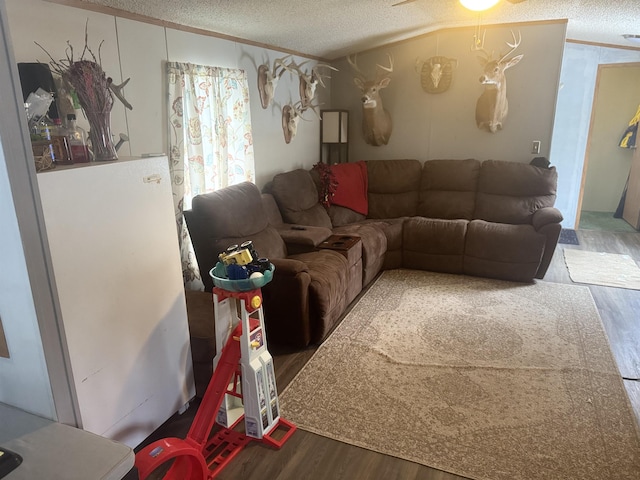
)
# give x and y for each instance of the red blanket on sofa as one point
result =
(351, 191)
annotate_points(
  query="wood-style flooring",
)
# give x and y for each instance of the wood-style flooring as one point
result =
(312, 457)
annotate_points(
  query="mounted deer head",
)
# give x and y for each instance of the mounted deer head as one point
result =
(268, 79)
(492, 106)
(291, 115)
(309, 81)
(376, 121)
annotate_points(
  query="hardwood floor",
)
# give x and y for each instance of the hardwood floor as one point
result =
(619, 308)
(309, 456)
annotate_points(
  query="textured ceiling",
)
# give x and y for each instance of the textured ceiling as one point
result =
(333, 28)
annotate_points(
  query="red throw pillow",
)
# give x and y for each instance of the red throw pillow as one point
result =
(351, 191)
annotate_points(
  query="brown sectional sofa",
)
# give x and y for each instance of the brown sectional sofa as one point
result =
(493, 219)
(308, 292)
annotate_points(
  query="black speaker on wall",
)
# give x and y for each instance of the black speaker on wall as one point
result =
(38, 75)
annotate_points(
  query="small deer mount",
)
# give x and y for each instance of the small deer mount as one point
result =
(291, 115)
(309, 80)
(436, 74)
(268, 79)
(376, 121)
(492, 106)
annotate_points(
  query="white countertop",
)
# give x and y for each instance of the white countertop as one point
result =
(55, 451)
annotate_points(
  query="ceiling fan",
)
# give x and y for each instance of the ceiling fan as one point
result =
(411, 1)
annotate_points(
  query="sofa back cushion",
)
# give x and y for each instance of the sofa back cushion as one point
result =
(510, 192)
(274, 217)
(393, 188)
(448, 189)
(339, 215)
(230, 216)
(297, 198)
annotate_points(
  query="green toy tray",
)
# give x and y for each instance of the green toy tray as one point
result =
(220, 280)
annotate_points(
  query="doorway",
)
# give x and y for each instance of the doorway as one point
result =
(606, 164)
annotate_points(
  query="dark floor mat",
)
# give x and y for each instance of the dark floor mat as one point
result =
(568, 237)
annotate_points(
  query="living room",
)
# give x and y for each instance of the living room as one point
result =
(425, 127)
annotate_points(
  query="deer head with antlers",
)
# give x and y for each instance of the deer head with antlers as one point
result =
(291, 115)
(309, 80)
(268, 79)
(376, 121)
(492, 106)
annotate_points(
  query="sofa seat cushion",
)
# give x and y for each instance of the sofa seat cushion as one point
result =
(434, 244)
(498, 250)
(448, 189)
(392, 229)
(374, 247)
(297, 198)
(327, 291)
(393, 188)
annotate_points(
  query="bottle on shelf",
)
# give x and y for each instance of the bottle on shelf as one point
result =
(41, 145)
(60, 143)
(77, 139)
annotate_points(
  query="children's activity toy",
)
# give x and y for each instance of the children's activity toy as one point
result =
(243, 385)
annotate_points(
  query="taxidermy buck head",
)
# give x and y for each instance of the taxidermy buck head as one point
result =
(492, 106)
(291, 115)
(309, 80)
(376, 121)
(268, 79)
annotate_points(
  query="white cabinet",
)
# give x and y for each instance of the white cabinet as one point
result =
(114, 249)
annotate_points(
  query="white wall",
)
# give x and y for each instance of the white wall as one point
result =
(139, 51)
(24, 379)
(573, 116)
(431, 126)
(23, 376)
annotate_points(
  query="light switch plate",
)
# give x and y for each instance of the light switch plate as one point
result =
(535, 149)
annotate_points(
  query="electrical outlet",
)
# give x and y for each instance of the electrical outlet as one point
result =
(535, 149)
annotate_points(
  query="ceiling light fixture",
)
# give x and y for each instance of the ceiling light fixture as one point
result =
(635, 39)
(478, 5)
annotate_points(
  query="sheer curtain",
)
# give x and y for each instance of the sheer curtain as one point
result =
(210, 141)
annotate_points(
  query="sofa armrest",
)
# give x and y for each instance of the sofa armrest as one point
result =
(301, 239)
(545, 216)
(288, 266)
(546, 221)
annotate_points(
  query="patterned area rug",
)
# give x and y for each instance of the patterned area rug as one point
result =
(481, 378)
(599, 268)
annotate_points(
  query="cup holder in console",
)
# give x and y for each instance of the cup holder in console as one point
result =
(340, 242)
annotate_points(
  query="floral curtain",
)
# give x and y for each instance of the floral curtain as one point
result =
(210, 141)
